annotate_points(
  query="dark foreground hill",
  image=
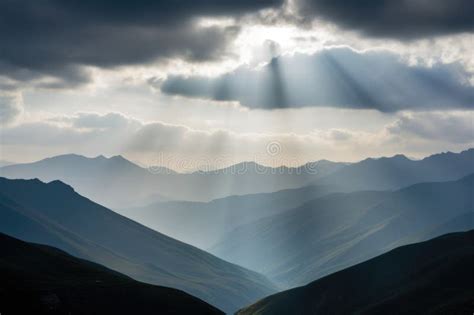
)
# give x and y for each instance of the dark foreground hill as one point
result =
(38, 279)
(433, 277)
(54, 214)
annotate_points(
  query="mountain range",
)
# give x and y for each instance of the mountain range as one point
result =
(38, 279)
(264, 229)
(203, 223)
(399, 171)
(341, 229)
(433, 277)
(54, 214)
(116, 182)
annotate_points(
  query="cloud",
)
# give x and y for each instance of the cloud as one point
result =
(337, 77)
(91, 121)
(392, 18)
(11, 107)
(54, 39)
(338, 135)
(183, 148)
(453, 127)
(42, 134)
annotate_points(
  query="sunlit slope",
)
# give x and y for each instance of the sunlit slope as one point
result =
(38, 279)
(433, 277)
(54, 214)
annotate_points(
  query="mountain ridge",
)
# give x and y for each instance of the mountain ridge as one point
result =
(54, 214)
(117, 182)
(202, 223)
(39, 279)
(399, 171)
(431, 277)
(340, 229)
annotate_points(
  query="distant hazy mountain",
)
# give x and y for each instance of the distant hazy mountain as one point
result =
(339, 230)
(433, 277)
(112, 181)
(5, 163)
(320, 168)
(38, 279)
(202, 223)
(399, 171)
(54, 214)
(117, 182)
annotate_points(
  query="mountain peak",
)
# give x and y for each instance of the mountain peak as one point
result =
(400, 157)
(77, 158)
(396, 157)
(66, 156)
(466, 153)
(59, 184)
(119, 158)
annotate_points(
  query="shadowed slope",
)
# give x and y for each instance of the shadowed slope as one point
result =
(433, 277)
(55, 215)
(38, 279)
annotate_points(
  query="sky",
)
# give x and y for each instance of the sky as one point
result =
(197, 84)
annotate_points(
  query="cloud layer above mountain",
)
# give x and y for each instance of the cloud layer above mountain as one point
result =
(338, 77)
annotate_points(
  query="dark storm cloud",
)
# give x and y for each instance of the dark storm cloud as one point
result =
(405, 19)
(56, 38)
(338, 77)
